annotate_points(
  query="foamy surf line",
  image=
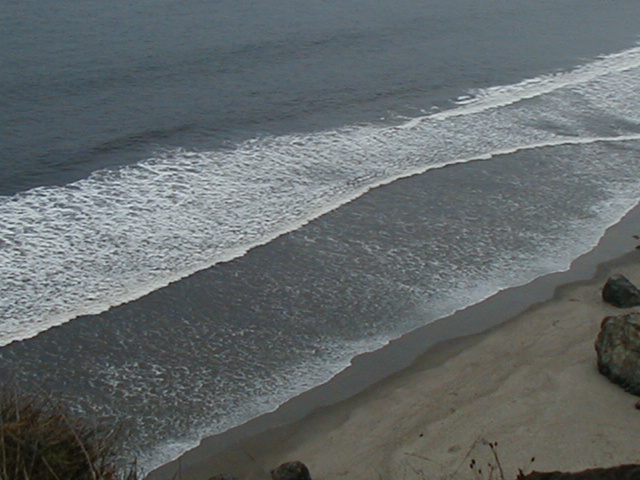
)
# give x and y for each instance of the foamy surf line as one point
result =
(400, 351)
(552, 255)
(500, 96)
(613, 251)
(119, 235)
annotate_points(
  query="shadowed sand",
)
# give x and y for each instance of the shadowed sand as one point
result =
(530, 384)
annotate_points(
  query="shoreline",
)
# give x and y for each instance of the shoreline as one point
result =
(323, 414)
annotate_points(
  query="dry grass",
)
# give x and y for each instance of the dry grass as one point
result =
(493, 469)
(39, 440)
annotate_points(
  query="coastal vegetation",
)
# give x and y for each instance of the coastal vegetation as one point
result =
(41, 440)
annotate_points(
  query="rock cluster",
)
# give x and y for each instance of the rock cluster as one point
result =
(286, 471)
(618, 350)
(291, 471)
(223, 476)
(620, 292)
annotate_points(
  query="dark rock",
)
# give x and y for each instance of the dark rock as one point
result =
(291, 471)
(223, 476)
(620, 292)
(618, 349)
(622, 472)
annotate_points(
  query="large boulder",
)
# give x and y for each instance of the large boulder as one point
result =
(621, 472)
(618, 349)
(291, 471)
(620, 292)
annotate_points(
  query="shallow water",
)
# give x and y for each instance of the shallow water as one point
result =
(189, 205)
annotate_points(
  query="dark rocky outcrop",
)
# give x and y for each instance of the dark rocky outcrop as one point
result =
(622, 472)
(223, 476)
(291, 471)
(620, 292)
(618, 349)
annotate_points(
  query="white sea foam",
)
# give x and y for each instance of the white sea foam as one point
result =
(543, 255)
(295, 381)
(118, 235)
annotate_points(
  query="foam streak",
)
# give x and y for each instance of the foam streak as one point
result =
(118, 235)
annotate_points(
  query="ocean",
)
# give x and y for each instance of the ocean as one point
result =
(209, 207)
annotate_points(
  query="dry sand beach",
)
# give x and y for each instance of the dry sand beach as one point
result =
(530, 384)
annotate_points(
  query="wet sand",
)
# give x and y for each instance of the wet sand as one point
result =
(518, 369)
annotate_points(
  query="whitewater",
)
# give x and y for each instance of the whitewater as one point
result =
(82, 248)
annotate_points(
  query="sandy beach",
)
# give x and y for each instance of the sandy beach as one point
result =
(529, 383)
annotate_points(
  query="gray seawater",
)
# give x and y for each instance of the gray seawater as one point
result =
(210, 207)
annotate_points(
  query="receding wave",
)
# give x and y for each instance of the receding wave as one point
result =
(118, 235)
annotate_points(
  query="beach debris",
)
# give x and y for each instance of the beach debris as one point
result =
(620, 292)
(618, 350)
(621, 472)
(291, 471)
